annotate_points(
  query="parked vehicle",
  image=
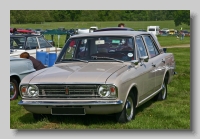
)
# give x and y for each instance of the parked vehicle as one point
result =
(153, 29)
(31, 44)
(23, 31)
(165, 29)
(108, 72)
(19, 68)
(93, 28)
(187, 33)
(163, 33)
(83, 30)
(172, 31)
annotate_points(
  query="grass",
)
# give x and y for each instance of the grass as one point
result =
(173, 113)
(164, 41)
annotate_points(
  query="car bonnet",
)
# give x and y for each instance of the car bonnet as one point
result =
(77, 73)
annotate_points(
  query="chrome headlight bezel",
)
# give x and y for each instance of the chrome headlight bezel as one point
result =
(108, 91)
(30, 91)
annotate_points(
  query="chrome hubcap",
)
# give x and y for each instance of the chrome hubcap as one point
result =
(163, 91)
(12, 90)
(129, 108)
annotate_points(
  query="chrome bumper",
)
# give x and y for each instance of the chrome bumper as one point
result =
(69, 103)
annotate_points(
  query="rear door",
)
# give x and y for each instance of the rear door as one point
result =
(156, 59)
(148, 71)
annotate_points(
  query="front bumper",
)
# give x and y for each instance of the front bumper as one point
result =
(90, 107)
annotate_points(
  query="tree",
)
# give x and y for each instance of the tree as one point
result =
(181, 17)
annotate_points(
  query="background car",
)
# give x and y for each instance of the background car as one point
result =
(108, 72)
(19, 68)
(187, 33)
(165, 29)
(31, 44)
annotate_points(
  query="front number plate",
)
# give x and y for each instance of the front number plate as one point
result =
(68, 111)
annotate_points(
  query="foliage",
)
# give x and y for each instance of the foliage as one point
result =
(182, 16)
(35, 16)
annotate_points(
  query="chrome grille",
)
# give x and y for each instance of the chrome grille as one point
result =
(68, 91)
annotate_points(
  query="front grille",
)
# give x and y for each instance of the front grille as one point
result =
(68, 91)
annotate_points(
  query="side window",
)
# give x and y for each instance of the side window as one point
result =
(31, 43)
(43, 43)
(151, 46)
(140, 47)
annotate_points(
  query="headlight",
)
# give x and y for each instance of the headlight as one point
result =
(108, 91)
(29, 91)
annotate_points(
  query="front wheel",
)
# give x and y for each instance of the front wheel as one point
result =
(128, 112)
(14, 89)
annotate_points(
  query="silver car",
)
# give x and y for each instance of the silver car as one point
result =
(19, 68)
(108, 72)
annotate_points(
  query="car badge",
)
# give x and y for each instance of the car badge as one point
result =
(43, 92)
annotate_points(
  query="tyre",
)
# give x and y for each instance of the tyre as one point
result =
(128, 112)
(14, 89)
(162, 95)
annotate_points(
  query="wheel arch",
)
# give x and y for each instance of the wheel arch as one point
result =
(166, 77)
(134, 91)
(17, 78)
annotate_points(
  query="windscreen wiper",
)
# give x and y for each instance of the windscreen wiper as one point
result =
(74, 59)
(96, 57)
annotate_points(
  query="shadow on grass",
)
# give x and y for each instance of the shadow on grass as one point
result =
(79, 119)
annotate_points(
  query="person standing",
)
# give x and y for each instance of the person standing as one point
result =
(121, 25)
(36, 63)
(15, 31)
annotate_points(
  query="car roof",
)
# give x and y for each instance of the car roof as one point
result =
(111, 33)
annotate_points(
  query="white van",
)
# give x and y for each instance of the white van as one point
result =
(153, 29)
(93, 28)
(83, 30)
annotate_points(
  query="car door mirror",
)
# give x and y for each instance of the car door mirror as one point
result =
(164, 50)
(134, 62)
(144, 59)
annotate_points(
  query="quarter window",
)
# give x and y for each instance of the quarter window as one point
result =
(140, 46)
(43, 43)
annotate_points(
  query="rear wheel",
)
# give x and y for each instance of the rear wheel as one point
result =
(14, 89)
(128, 112)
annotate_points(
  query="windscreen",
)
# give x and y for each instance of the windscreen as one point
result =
(89, 48)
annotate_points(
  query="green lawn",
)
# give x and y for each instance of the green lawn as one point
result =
(173, 113)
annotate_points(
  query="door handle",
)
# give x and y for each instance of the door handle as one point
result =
(163, 60)
(154, 65)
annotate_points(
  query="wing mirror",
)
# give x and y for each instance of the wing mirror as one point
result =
(165, 50)
(144, 59)
(134, 62)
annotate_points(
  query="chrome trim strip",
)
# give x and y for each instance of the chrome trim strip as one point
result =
(142, 101)
(69, 103)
